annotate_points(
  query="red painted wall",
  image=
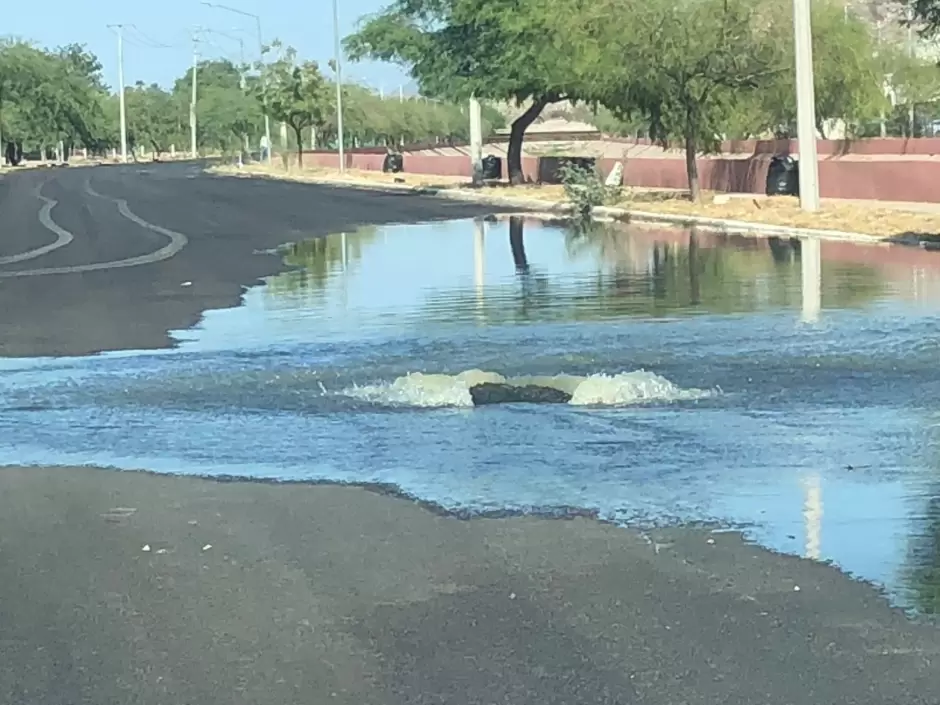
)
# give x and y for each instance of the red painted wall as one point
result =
(879, 169)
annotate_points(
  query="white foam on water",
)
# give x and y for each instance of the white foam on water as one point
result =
(419, 389)
(630, 388)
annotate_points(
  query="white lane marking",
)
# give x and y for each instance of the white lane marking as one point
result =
(177, 242)
(63, 236)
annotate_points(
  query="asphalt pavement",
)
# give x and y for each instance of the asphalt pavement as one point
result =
(131, 588)
(94, 299)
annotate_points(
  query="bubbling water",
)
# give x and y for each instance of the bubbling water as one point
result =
(419, 389)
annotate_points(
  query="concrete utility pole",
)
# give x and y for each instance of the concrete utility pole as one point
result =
(476, 141)
(192, 104)
(806, 106)
(120, 50)
(257, 19)
(911, 51)
(337, 57)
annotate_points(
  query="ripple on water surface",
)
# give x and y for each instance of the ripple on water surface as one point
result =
(782, 386)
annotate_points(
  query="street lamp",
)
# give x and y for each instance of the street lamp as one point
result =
(257, 18)
(339, 88)
(805, 106)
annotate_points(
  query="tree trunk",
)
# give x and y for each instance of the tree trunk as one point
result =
(517, 244)
(300, 147)
(691, 166)
(517, 134)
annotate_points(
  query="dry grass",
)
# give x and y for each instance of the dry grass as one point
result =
(866, 218)
(315, 174)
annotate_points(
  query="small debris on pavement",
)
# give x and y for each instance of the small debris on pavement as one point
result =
(796, 588)
(146, 548)
(711, 541)
(207, 547)
(186, 284)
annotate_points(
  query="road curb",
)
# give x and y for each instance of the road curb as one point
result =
(622, 214)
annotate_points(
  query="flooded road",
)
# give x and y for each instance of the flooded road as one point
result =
(784, 387)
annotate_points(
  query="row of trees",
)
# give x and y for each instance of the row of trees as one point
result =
(48, 96)
(690, 72)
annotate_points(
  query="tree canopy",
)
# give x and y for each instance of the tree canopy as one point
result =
(687, 73)
(492, 49)
(51, 95)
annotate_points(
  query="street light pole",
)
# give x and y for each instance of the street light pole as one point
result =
(476, 141)
(337, 49)
(192, 105)
(805, 106)
(123, 112)
(257, 18)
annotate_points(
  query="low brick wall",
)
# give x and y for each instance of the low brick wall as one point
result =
(886, 170)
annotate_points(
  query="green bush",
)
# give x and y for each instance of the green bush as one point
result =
(585, 188)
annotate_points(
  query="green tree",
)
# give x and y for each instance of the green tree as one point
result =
(153, 118)
(848, 68)
(708, 53)
(500, 50)
(47, 96)
(294, 93)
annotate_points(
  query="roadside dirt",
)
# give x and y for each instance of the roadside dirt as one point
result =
(867, 218)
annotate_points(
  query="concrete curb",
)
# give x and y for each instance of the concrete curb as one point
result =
(622, 214)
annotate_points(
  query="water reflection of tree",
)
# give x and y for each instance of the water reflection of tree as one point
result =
(517, 244)
(642, 276)
(315, 261)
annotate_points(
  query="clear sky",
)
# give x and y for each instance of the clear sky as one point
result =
(305, 24)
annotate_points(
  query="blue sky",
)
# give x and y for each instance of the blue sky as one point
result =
(304, 24)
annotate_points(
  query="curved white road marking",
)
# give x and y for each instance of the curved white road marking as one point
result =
(177, 242)
(63, 236)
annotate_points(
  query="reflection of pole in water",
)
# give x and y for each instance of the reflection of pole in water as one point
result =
(812, 516)
(811, 266)
(479, 233)
(344, 252)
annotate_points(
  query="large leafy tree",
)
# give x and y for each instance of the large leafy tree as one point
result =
(501, 50)
(226, 110)
(684, 66)
(154, 118)
(848, 67)
(295, 93)
(47, 96)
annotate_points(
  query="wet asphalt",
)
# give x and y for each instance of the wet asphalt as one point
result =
(120, 587)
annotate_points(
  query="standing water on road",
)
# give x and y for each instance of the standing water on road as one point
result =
(783, 387)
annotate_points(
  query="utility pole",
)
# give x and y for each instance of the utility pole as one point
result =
(476, 141)
(123, 110)
(337, 57)
(192, 104)
(912, 53)
(806, 106)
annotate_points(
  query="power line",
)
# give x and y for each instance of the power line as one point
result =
(153, 43)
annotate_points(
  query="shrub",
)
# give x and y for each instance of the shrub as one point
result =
(585, 188)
